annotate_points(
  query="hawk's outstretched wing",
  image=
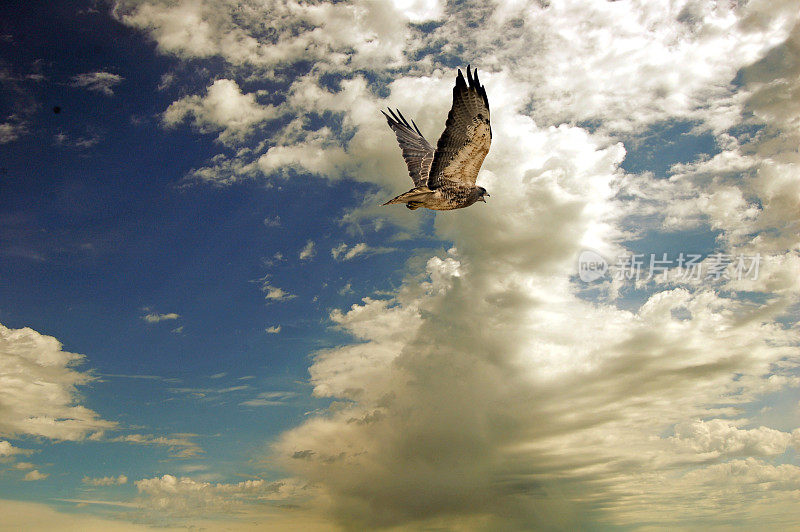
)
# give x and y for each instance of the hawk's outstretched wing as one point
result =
(417, 153)
(467, 135)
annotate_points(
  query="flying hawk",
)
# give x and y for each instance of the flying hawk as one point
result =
(445, 179)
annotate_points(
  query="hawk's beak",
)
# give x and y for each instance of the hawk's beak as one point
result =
(482, 199)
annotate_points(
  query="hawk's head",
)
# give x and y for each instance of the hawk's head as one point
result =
(482, 194)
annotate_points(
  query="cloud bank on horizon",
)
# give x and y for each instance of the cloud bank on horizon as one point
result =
(492, 389)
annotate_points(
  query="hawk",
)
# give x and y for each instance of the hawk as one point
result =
(445, 179)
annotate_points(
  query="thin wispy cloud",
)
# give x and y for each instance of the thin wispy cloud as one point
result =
(11, 131)
(202, 392)
(83, 502)
(345, 252)
(82, 143)
(180, 446)
(270, 399)
(154, 317)
(136, 376)
(102, 82)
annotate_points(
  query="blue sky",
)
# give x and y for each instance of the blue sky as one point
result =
(190, 199)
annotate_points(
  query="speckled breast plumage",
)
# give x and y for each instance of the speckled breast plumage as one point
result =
(449, 197)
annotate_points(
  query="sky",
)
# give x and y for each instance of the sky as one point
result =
(207, 319)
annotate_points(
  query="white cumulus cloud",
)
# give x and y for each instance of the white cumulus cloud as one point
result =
(35, 475)
(184, 496)
(39, 389)
(272, 292)
(223, 108)
(308, 251)
(6, 449)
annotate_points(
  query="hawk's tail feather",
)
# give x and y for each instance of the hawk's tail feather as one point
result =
(415, 195)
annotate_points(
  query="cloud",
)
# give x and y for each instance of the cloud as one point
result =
(273, 293)
(35, 475)
(102, 82)
(187, 29)
(746, 192)
(204, 392)
(339, 36)
(144, 377)
(485, 388)
(11, 131)
(276, 294)
(269, 399)
(346, 289)
(154, 317)
(167, 80)
(308, 251)
(6, 449)
(723, 437)
(39, 389)
(272, 221)
(631, 67)
(525, 408)
(62, 139)
(105, 481)
(183, 496)
(347, 254)
(464, 337)
(657, 61)
(420, 10)
(223, 108)
(21, 104)
(343, 252)
(180, 446)
(766, 487)
(362, 33)
(773, 88)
